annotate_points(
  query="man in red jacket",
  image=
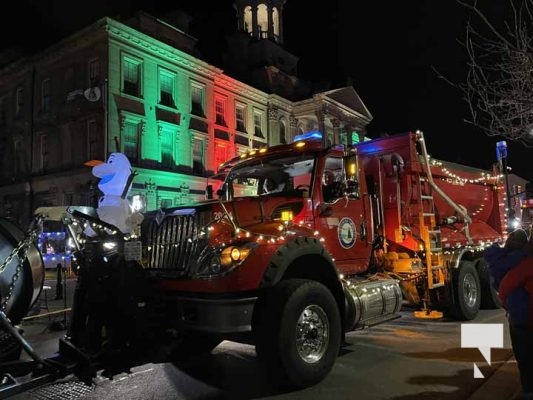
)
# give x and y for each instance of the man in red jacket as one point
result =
(520, 277)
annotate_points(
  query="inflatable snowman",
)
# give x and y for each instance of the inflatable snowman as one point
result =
(115, 183)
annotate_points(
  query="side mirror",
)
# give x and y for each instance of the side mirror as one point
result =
(350, 170)
(350, 167)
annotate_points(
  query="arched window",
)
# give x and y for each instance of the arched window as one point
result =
(248, 19)
(275, 20)
(282, 132)
(262, 21)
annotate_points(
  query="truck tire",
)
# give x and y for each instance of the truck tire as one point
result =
(298, 332)
(466, 291)
(489, 296)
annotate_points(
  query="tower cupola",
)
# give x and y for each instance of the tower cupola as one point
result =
(261, 19)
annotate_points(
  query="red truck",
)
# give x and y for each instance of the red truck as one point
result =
(294, 246)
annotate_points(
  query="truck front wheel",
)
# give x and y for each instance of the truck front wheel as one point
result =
(467, 292)
(298, 332)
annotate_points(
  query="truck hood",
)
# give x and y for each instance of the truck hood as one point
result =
(262, 213)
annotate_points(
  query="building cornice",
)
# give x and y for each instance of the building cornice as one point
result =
(281, 103)
(128, 35)
(242, 89)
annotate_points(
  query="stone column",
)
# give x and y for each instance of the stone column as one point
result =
(336, 130)
(273, 125)
(320, 116)
(348, 128)
(255, 28)
(280, 24)
(293, 127)
(270, 22)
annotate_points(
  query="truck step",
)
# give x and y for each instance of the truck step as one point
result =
(427, 197)
(437, 267)
(435, 249)
(429, 214)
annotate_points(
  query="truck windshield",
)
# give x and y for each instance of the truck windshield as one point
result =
(274, 175)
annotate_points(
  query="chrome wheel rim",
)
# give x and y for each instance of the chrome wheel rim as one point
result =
(470, 290)
(312, 334)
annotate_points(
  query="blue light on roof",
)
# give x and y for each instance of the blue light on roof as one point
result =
(308, 135)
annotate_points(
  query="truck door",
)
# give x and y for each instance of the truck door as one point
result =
(342, 221)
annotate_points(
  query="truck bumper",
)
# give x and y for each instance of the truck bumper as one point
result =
(222, 316)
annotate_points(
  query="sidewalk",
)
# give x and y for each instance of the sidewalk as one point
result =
(46, 322)
(504, 384)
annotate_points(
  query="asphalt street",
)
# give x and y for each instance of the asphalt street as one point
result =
(405, 359)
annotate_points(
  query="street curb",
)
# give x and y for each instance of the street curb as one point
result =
(503, 384)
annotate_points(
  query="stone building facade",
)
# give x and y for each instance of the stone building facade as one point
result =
(139, 86)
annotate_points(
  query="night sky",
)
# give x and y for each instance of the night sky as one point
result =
(388, 50)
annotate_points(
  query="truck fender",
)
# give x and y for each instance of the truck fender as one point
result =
(284, 263)
(291, 251)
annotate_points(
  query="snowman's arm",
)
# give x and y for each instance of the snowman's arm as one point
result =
(128, 184)
(80, 215)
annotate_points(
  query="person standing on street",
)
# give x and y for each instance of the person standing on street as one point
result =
(59, 282)
(502, 259)
(518, 279)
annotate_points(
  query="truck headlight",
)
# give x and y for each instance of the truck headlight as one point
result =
(219, 261)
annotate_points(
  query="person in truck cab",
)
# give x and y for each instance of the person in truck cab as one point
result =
(332, 188)
(271, 186)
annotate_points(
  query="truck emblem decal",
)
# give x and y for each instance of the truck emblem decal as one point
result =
(346, 233)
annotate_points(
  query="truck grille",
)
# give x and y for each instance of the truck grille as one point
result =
(173, 246)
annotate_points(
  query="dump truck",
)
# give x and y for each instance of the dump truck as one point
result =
(294, 246)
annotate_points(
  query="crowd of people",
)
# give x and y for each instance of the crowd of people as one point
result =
(511, 268)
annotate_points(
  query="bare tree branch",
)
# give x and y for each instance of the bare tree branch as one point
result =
(498, 88)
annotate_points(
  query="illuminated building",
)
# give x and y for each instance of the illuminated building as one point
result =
(140, 86)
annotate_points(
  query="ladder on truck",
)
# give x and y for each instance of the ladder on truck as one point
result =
(430, 234)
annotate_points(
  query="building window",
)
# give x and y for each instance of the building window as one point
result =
(19, 106)
(46, 98)
(198, 100)
(131, 142)
(92, 140)
(94, 72)
(221, 154)
(220, 111)
(198, 159)
(167, 148)
(240, 117)
(258, 125)
(262, 21)
(167, 82)
(282, 133)
(131, 77)
(43, 152)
